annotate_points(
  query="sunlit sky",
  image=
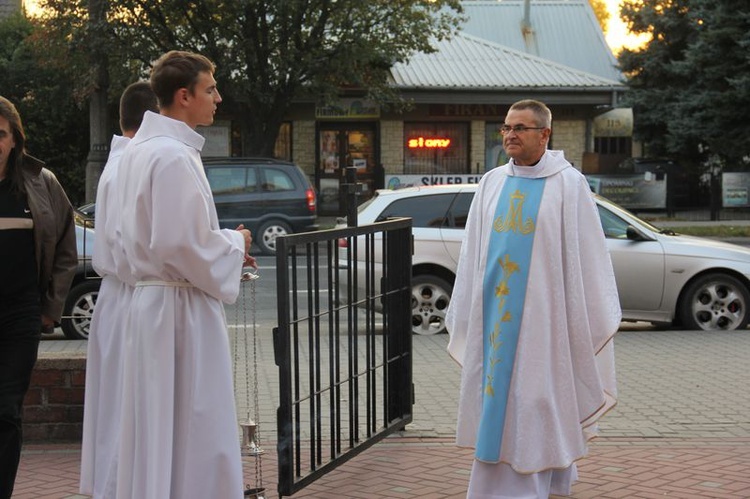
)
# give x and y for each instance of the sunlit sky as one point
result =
(30, 5)
(617, 34)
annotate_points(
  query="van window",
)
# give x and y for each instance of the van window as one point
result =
(252, 180)
(277, 180)
(231, 180)
(226, 180)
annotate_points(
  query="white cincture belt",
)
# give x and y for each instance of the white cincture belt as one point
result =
(166, 284)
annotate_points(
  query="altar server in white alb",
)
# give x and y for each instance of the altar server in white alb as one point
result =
(179, 434)
(101, 414)
(532, 318)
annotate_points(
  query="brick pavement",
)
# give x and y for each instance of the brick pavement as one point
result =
(681, 429)
(432, 468)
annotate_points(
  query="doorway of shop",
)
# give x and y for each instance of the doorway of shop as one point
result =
(341, 145)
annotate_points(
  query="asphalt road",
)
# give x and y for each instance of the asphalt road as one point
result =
(671, 383)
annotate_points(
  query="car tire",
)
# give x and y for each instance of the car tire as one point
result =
(267, 234)
(430, 297)
(715, 301)
(79, 309)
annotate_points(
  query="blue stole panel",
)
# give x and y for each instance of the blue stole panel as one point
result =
(505, 279)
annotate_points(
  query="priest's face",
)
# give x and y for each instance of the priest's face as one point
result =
(203, 101)
(526, 140)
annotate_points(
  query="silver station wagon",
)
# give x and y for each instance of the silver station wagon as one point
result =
(662, 277)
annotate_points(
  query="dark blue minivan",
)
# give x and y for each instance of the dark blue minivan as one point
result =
(269, 196)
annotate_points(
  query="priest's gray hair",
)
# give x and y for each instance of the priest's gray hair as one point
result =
(541, 111)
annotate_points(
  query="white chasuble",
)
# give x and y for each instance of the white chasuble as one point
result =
(563, 376)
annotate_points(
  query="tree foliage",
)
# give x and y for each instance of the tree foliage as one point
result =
(268, 53)
(601, 12)
(56, 125)
(690, 84)
(717, 67)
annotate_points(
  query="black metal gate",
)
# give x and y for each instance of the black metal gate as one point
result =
(343, 345)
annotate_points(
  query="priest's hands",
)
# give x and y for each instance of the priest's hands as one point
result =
(249, 260)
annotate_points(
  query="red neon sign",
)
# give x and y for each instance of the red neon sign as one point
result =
(428, 143)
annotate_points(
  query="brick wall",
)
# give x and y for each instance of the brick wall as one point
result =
(53, 408)
(303, 145)
(392, 146)
(477, 141)
(570, 136)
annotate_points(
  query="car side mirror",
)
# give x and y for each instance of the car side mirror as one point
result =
(634, 234)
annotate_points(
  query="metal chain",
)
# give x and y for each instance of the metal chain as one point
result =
(242, 309)
(256, 401)
(245, 349)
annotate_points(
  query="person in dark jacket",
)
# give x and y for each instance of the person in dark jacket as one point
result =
(38, 258)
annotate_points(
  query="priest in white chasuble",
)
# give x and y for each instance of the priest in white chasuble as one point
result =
(532, 318)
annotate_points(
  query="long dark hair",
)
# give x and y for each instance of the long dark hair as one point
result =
(15, 159)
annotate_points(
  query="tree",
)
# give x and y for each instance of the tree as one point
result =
(688, 83)
(601, 13)
(55, 123)
(654, 79)
(272, 53)
(717, 69)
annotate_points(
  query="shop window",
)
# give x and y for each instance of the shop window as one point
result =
(494, 154)
(283, 148)
(436, 148)
(613, 145)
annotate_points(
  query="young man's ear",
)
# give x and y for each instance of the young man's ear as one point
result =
(182, 95)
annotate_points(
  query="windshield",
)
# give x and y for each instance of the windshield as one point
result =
(622, 212)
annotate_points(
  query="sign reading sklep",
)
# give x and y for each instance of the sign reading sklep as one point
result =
(399, 181)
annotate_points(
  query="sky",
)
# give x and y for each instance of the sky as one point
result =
(617, 35)
(617, 32)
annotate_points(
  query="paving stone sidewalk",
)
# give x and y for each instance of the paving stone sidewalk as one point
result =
(681, 429)
(433, 468)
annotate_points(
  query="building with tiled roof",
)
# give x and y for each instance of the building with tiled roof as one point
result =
(460, 92)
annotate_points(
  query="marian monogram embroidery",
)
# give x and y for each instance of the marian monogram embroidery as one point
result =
(513, 220)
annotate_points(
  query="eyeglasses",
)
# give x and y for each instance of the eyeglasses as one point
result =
(506, 129)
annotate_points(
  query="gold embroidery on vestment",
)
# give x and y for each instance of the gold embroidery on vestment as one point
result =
(511, 222)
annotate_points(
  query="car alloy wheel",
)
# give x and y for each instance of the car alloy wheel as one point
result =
(430, 297)
(715, 301)
(268, 233)
(79, 309)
